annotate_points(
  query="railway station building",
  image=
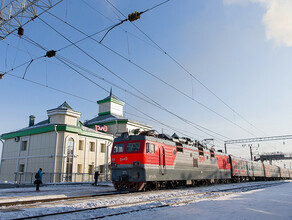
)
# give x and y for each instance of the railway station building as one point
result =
(66, 149)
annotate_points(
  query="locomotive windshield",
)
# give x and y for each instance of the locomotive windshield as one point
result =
(133, 147)
(118, 148)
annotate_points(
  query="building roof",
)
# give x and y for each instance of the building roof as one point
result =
(46, 126)
(104, 119)
(110, 98)
(64, 106)
(43, 127)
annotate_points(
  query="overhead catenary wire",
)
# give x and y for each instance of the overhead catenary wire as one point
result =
(132, 106)
(109, 70)
(94, 9)
(180, 65)
(156, 103)
(153, 75)
(36, 44)
(129, 105)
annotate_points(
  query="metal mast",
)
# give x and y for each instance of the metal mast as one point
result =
(18, 13)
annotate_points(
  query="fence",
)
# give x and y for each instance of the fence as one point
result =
(29, 177)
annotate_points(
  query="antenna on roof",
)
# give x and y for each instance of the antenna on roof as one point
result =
(111, 92)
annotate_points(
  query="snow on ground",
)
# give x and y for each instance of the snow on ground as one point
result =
(268, 203)
(52, 191)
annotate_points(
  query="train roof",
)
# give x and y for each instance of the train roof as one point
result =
(173, 140)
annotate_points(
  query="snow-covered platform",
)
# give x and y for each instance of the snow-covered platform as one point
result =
(52, 191)
(269, 203)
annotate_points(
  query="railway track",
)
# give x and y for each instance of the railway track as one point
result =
(150, 204)
(109, 193)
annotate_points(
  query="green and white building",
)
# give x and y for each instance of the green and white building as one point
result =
(62, 146)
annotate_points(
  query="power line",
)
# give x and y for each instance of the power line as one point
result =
(107, 69)
(201, 83)
(102, 65)
(153, 75)
(156, 104)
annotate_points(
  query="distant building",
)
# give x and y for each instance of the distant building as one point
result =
(62, 146)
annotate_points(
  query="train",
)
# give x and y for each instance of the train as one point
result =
(148, 161)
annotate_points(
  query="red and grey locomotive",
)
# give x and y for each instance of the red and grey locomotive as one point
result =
(151, 161)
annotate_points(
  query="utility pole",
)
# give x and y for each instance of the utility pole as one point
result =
(18, 13)
(250, 148)
(2, 6)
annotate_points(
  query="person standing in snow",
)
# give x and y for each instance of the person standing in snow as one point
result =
(96, 174)
(38, 179)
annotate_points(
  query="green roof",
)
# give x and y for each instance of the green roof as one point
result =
(51, 127)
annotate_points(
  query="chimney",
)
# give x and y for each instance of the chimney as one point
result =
(31, 120)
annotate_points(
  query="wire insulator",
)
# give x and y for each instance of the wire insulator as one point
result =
(1, 75)
(20, 31)
(134, 16)
(51, 53)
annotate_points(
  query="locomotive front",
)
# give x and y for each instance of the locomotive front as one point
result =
(127, 163)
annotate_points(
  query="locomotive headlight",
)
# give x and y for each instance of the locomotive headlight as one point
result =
(114, 164)
(136, 163)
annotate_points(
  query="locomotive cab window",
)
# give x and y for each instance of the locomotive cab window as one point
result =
(118, 148)
(212, 153)
(133, 147)
(150, 148)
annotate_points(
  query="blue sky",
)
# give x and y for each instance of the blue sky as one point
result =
(240, 50)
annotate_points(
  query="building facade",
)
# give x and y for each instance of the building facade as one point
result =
(60, 145)
(63, 147)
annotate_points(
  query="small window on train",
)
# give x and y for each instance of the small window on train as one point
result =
(133, 147)
(150, 148)
(179, 149)
(201, 151)
(118, 148)
(195, 162)
(212, 153)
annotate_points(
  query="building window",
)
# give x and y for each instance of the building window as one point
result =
(102, 148)
(21, 168)
(23, 145)
(79, 168)
(90, 169)
(80, 147)
(101, 169)
(92, 146)
(69, 161)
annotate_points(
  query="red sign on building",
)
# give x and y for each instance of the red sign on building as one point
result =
(101, 128)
